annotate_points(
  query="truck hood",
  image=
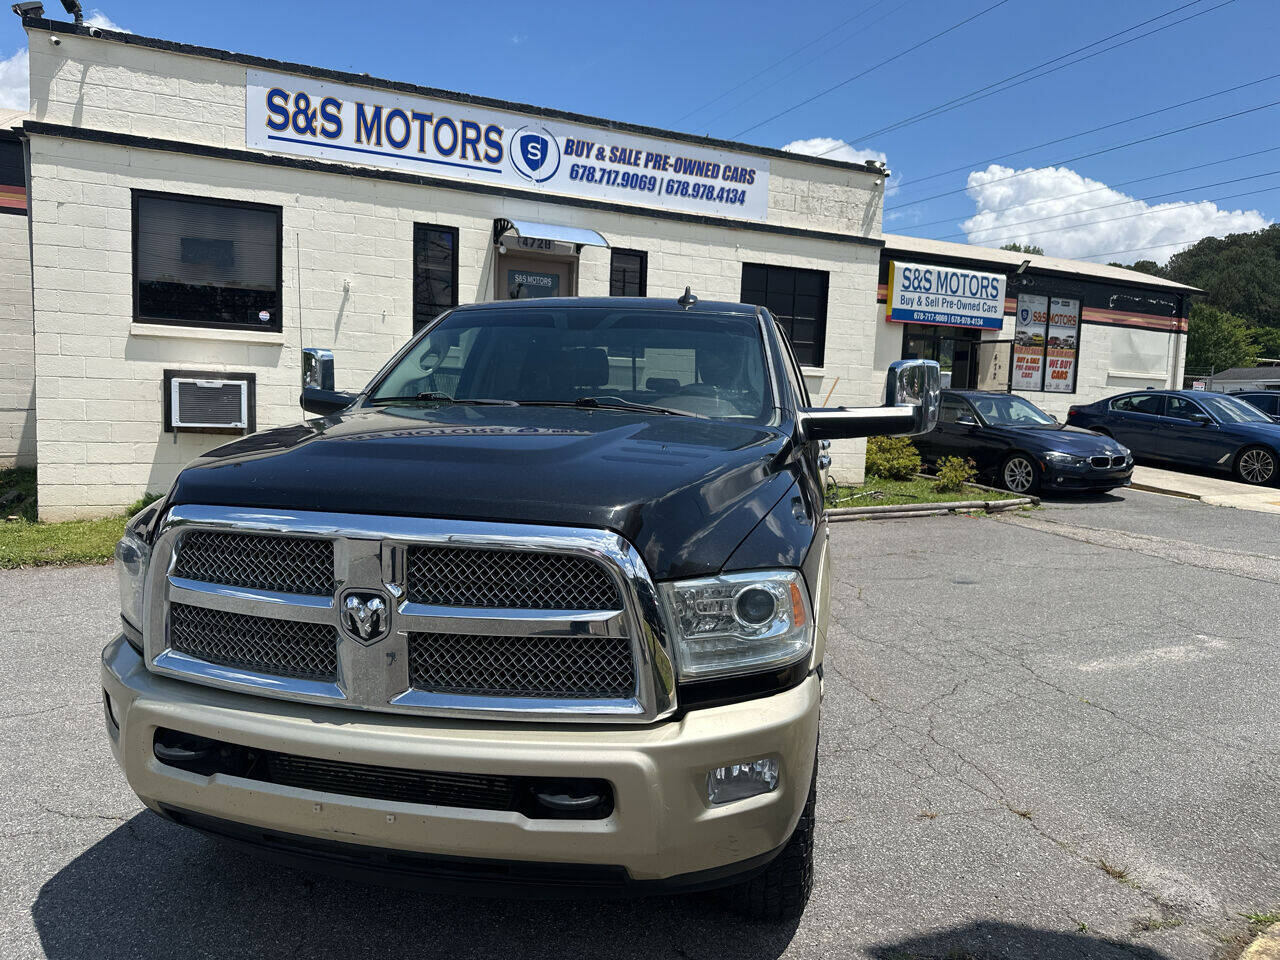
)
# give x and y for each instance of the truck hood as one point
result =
(684, 491)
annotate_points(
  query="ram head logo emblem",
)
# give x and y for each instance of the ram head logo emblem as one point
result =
(364, 615)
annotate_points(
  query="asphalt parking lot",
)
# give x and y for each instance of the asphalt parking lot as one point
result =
(1053, 734)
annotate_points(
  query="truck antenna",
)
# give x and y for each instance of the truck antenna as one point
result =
(688, 299)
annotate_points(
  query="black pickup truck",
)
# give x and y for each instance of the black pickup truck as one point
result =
(543, 607)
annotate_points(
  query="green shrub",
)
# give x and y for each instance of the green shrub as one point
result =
(893, 458)
(953, 473)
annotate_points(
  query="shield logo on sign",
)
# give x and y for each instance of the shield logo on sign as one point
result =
(533, 149)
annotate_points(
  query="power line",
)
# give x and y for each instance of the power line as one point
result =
(1096, 153)
(1105, 206)
(863, 73)
(1128, 216)
(1105, 186)
(792, 73)
(782, 60)
(983, 92)
(1085, 133)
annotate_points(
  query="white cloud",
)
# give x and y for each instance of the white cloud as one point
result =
(96, 18)
(14, 72)
(13, 81)
(1078, 217)
(518, 38)
(833, 149)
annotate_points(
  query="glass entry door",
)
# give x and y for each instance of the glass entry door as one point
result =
(954, 350)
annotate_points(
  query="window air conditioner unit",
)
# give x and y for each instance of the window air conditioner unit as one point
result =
(198, 402)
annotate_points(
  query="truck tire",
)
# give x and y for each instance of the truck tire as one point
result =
(781, 891)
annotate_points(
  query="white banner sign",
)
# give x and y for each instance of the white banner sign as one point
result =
(315, 118)
(1064, 329)
(945, 296)
(1029, 342)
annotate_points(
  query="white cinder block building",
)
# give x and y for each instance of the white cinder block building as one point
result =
(201, 216)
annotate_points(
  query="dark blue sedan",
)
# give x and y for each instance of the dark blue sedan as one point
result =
(1020, 447)
(1192, 428)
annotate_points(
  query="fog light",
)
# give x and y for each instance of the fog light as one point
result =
(741, 780)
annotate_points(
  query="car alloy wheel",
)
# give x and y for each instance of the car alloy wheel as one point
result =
(1019, 474)
(1256, 465)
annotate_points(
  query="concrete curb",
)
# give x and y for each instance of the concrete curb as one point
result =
(898, 511)
(1266, 946)
(1149, 488)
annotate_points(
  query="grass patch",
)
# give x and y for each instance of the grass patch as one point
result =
(876, 491)
(1262, 919)
(26, 542)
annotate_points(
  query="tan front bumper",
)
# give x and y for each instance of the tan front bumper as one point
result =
(661, 826)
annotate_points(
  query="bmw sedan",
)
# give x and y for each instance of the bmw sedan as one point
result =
(1192, 428)
(1020, 447)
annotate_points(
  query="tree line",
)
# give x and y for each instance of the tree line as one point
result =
(1237, 319)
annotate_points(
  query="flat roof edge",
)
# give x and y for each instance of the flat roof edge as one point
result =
(961, 251)
(398, 86)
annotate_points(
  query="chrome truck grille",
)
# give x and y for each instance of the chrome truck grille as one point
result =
(452, 618)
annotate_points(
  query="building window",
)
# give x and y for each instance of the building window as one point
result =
(13, 178)
(798, 299)
(435, 272)
(205, 262)
(628, 273)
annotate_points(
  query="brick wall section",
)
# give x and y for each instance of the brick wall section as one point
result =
(17, 380)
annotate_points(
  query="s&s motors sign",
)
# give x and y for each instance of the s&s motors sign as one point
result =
(945, 296)
(315, 118)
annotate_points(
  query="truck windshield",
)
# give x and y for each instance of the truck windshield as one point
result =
(703, 364)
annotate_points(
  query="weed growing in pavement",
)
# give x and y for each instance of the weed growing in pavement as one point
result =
(1262, 919)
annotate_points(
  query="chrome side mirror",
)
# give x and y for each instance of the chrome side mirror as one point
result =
(913, 396)
(317, 368)
(318, 395)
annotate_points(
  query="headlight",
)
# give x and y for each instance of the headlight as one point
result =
(739, 622)
(133, 553)
(1066, 459)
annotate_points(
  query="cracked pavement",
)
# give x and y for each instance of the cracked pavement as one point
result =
(1050, 734)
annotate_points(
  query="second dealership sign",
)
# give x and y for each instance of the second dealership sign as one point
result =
(945, 296)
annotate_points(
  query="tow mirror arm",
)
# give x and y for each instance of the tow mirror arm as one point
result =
(912, 399)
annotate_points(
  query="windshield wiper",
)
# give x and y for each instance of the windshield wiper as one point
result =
(609, 403)
(432, 396)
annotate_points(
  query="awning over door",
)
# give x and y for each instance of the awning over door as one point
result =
(548, 231)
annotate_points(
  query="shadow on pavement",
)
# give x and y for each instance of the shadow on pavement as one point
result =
(1010, 941)
(153, 889)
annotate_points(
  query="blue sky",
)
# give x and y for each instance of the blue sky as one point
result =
(662, 63)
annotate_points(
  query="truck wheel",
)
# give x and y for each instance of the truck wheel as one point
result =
(781, 891)
(1256, 465)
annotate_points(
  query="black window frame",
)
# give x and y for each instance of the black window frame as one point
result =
(277, 323)
(426, 321)
(643, 257)
(787, 323)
